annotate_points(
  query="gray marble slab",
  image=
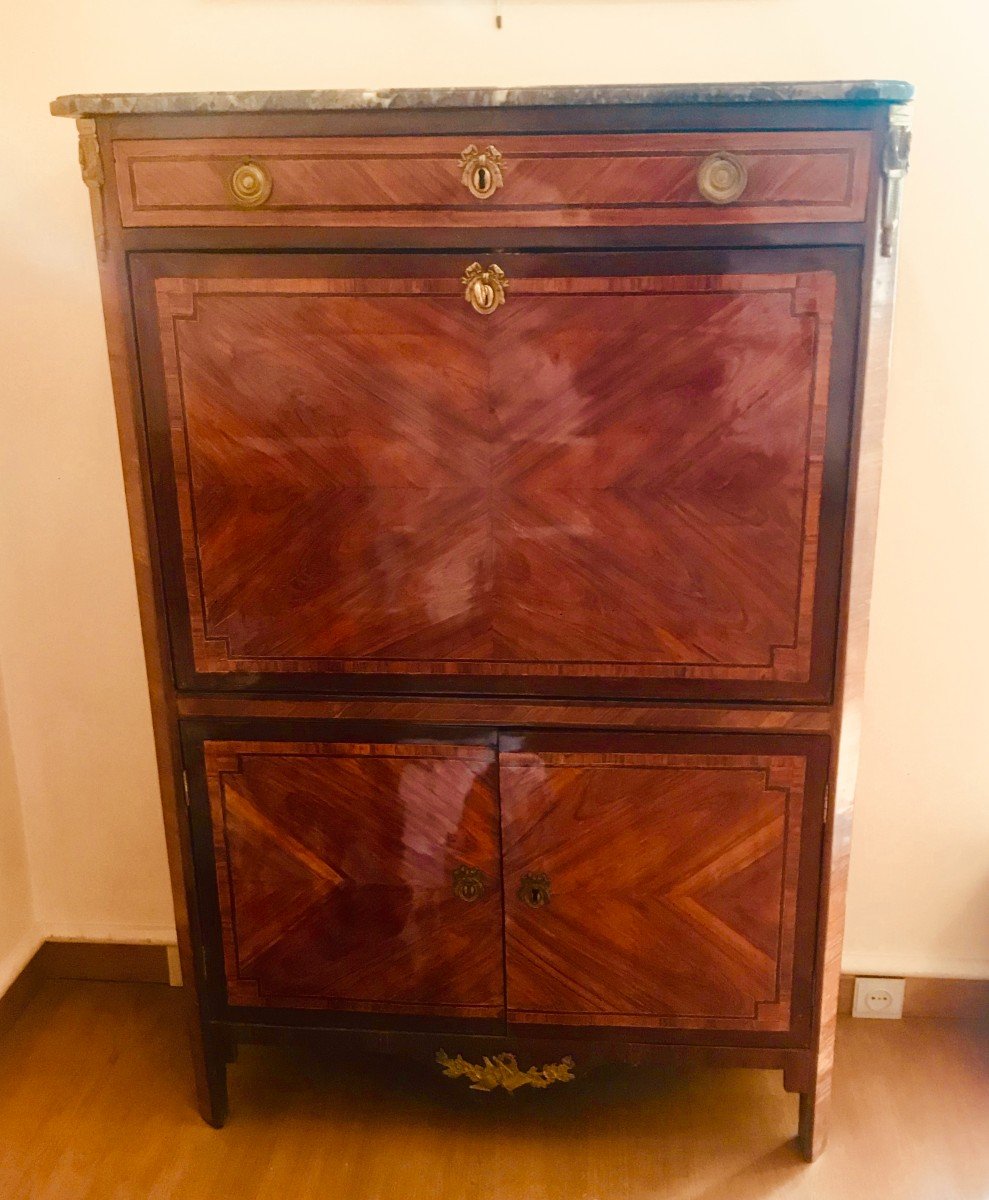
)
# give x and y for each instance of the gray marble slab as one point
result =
(882, 91)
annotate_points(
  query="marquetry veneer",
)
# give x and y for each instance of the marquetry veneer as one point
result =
(502, 478)
(625, 179)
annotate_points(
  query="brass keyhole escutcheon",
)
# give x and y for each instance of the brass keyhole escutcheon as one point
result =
(721, 178)
(534, 890)
(484, 287)
(468, 884)
(250, 184)
(481, 171)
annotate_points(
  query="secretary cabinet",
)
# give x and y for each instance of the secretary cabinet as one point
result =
(502, 473)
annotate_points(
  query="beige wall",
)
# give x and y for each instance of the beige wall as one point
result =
(68, 625)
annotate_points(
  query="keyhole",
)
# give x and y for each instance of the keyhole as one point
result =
(481, 179)
(534, 890)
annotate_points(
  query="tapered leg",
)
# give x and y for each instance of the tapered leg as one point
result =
(209, 1063)
(815, 1116)
(211, 1089)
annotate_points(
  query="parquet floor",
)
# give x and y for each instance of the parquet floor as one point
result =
(95, 1103)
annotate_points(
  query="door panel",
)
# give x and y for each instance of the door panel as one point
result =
(618, 482)
(358, 876)
(661, 882)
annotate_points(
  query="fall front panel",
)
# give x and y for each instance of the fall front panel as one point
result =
(621, 474)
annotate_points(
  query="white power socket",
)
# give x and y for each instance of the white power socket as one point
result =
(882, 998)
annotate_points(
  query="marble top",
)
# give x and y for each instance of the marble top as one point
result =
(882, 91)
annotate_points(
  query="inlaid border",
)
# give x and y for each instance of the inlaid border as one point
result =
(785, 775)
(813, 296)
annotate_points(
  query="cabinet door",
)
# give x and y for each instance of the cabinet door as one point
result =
(661, 882)
(357, 876)
(628, 479)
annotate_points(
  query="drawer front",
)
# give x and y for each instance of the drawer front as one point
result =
(361, 877)
(664, 883)
(614, 484)
(602, 180)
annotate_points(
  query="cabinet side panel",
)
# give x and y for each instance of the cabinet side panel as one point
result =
(879, 281)
(207, 1053)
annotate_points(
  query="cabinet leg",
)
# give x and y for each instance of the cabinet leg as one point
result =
(211, 1091)
(815, 1114)
(209, 1058)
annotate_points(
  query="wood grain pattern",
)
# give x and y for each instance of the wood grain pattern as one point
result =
(334, 874)
(532, 713)
(443, 494)
(593, 179)
(673, 883)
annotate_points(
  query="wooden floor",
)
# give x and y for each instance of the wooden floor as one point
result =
(94, 1102)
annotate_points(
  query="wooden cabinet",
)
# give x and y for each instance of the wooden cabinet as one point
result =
(502, 476)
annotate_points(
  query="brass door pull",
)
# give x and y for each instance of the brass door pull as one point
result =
(534, 890)
(481, 171)
(484, 288)
(250, 184)
(721, 178)
(468, 884)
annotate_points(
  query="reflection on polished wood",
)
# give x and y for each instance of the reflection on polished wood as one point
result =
(382, 483)
(95, 1103)
(324, 851)
(687, 926)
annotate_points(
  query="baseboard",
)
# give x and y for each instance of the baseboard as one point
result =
(119, 962)
(19, 992)
(148, 962)
(12, 964)
(910, 966)
(927, 996)
(107, 931)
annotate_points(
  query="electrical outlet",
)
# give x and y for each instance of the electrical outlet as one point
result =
(882, 998)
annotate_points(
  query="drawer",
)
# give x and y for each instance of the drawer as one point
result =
(358, 876)
(603, 180)
(661, 882)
